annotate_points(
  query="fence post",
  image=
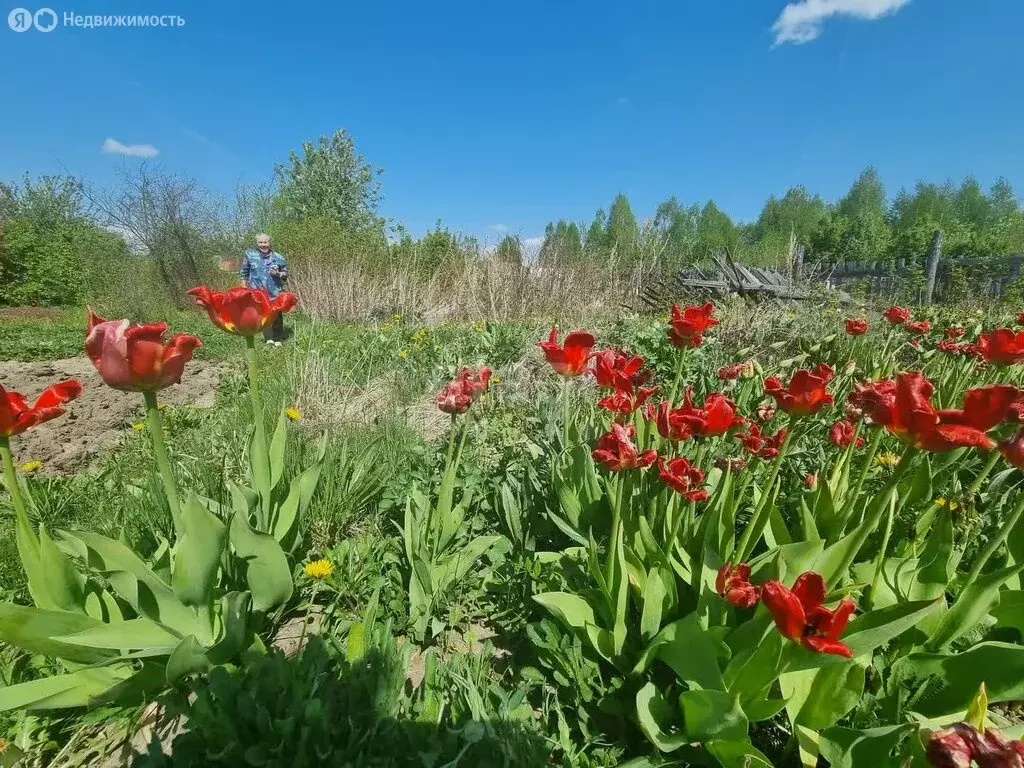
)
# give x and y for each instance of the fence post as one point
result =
(798, 262)
(931, 268)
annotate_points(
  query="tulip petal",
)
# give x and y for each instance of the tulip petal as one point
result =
(58, 394)
(810, 591)
(785, 608)
(824, 645)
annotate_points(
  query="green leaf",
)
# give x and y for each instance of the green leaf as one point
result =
(188, 658)
(136, 584)
(652, 712)
(197, 554)
(276, 453)
(709, 715)
(957, 676)
(266, 567)
(848, 748)
(1010, 610)
(737, 754)
(235, 634)
(686, 647)
(978, 709)
(258, 465)
(132, 635)
(63, 584)
(834, 692)
(656, 591)
(572, 610)
(874, 629)
(36, 629)
(77, 689)
(971, 606)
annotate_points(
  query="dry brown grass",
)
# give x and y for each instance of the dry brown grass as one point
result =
(470, 288)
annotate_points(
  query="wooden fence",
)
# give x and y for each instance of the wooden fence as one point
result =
(988, 277)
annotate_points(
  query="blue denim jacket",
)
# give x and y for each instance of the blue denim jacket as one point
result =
(256, 271)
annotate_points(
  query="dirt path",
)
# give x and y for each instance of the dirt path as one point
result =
(99, 417)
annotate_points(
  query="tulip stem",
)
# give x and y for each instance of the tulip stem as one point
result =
(985, 471)
(260, 460)
(163, 461)
(759, 519)
(679, 376)
(996, 541)
(11, 476)
(869, 459)
(565, 414)
(872, 518)
(880, 562)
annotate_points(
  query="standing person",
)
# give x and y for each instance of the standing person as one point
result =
(265, 269)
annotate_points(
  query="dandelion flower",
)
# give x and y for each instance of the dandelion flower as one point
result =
(495, 379)
(138, 426)
(888, 459)
(293, 413)
(319, 569)
(942, 501)
(403, 353)
(31, 466)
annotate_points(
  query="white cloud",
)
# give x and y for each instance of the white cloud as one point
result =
(623, 101)
(115, 147)
(802, 21)
(501, 229)
(531, 244)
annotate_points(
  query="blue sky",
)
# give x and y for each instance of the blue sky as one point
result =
(502, 116)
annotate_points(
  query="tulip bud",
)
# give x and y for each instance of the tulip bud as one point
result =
(950, 748)
(852, 412)
(811, 481)
(765, 412)
(1013, 449)
(734, 463)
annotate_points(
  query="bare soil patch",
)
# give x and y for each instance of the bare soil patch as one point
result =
(100, 415)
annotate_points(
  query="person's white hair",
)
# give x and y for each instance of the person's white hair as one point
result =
(262, 235)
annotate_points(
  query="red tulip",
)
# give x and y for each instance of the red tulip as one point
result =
(242, 311)
(800, 614)
(954, 332)
(961, 743)
(455, 398)
(733, 584)
(810, 481)
(684, 478)
(1002, 346)
(764, 446)
(730, 372)
(626, 397)
(474, 381)
(137, 358)
(569, 360)
(951, 748)
(856, 327)
(16, 415)
(688, 325)
(897, 315)
(765, 412)
(918, 326)
(733, 463)
(716, 417)
(842, 433)
(611, 366)
(1020, 319)
(904, 408)
(806, 393)
(617, 451)
(670, 426)
(1013, 449)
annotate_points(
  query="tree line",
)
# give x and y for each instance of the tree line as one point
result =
(864, 225)
(152, 234)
